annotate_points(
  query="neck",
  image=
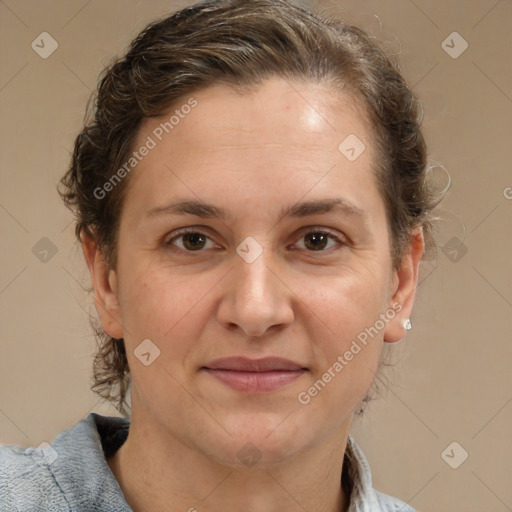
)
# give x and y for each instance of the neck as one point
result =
(154, 470)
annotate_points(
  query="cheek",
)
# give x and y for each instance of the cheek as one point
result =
(163, 306)
(345, 304)
(167, 309)
(347, 356)
(347, 350)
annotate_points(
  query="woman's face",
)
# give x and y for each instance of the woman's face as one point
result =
(250, 284)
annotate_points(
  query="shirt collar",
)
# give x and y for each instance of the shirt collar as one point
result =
(362, 495)
(81, 468)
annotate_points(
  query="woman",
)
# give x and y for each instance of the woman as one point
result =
(252, 204)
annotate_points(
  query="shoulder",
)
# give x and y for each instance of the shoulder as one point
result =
(69, 474)
(27, 482)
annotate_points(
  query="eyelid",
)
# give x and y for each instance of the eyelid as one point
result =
(338, 236)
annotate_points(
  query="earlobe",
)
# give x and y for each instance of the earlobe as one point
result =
(105, 286)
(405, 281)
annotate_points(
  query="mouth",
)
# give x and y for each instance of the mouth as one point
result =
(254, 375)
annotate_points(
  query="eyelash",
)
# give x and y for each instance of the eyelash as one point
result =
(186, 231)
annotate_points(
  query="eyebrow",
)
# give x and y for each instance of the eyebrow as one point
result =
(298, 210)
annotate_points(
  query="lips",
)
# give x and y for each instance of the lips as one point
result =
(254, 375)
(244, 364)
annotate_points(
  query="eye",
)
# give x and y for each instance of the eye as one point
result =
(193, 240)
(318, 240)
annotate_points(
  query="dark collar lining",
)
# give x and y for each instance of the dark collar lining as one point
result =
(113, 432)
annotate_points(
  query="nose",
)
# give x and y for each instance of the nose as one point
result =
(256, 297)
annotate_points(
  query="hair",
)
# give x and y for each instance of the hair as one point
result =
(240, 43)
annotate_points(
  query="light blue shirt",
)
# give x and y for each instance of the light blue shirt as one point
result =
(72, 474)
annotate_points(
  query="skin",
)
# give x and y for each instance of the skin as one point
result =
(253, 154)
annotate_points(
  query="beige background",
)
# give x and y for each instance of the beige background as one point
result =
(455, 381)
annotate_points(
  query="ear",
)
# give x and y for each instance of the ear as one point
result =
(405, 281)
(104, 282)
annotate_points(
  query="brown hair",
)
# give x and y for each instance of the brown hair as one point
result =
(240, 43)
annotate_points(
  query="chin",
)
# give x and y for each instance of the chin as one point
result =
(259, 441)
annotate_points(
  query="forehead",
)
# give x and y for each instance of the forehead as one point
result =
(279, 139)
(276, 111)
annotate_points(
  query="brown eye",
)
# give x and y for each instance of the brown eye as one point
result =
(319, 241)
(192, 241)
(316, 241)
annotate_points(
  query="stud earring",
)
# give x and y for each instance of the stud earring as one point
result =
(407, 325)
